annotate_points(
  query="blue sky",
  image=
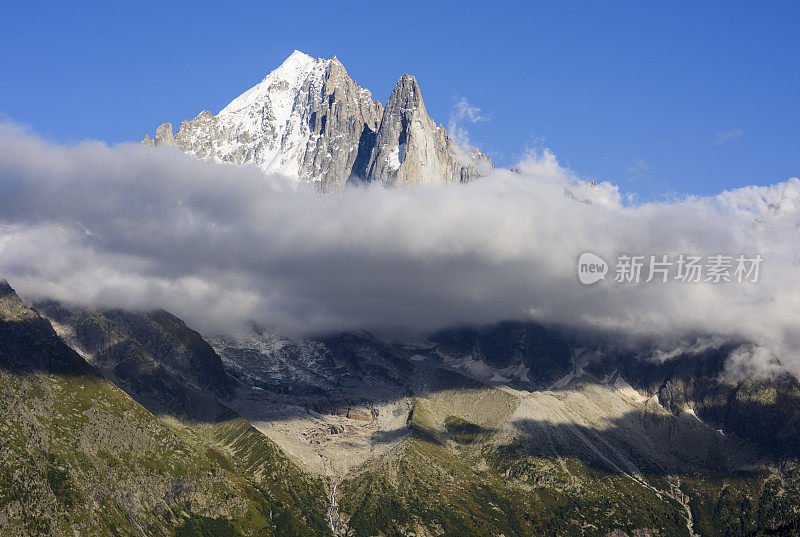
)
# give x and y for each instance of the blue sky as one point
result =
(660, 98)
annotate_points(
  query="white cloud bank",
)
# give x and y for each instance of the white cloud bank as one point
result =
(135, 227)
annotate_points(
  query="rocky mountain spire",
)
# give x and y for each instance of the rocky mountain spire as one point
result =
(410, 147)
(310, 120)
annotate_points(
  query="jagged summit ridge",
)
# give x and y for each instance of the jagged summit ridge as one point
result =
(310, 120)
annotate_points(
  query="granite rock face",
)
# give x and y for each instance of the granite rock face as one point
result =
(410, 147)
(308, 119)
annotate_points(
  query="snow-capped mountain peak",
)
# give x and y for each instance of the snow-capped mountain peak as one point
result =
(308, 119)
(292, 72)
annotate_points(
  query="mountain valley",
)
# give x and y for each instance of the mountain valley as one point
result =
(511, 429)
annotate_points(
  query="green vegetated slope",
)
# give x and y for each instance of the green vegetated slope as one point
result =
(458, 474)
(78, 456)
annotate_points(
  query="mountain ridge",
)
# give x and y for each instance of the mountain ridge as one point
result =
(80, 456)
(513, 429)
(308, 119)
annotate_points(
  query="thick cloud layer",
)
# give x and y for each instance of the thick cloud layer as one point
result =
(135, 227)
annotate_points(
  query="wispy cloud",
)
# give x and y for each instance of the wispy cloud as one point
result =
(728, 135)
(464, 112)
(639, 170)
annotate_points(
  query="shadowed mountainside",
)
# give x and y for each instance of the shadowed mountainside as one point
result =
(510, 429)
(79, 456)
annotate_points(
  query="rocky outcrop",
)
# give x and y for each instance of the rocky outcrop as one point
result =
(28, 343)
(410, 147)
(164, 365)
(308, 119)
(342, 120)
